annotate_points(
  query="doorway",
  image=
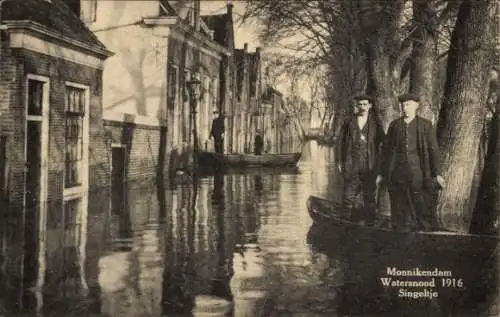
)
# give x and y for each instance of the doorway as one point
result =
(35, 181)
(120, 216)
(118, 177)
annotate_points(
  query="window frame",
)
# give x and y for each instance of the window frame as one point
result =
(92, 9)
(81, 192)
(78, 190)
(43, 118)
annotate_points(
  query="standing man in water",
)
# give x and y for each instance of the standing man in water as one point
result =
(217, 131)
(358, 153)
(410, 169)
(258, 142)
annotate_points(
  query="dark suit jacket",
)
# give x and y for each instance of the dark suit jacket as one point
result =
(375, 136)
(218, 128)
(427, 148)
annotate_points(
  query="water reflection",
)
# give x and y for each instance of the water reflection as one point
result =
(242, 245)
(364, 264)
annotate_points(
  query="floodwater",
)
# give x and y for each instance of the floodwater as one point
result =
(242, 245)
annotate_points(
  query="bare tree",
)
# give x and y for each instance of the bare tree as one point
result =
(365, 44)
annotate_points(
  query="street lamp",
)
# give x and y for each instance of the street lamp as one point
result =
(194, 87)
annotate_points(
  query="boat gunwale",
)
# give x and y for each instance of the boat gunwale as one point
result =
(253, 160)
(347, 223)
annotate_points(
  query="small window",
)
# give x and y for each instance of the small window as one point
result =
(172, 86)
(187, 77)
(75, 113)
(88, 10)
(35, 97)
(205, 93)
(214, 92)
(71, 223)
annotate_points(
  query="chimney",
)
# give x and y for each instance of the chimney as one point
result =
(245, 47)
(197, 9)
(257, 50)
(230, 8)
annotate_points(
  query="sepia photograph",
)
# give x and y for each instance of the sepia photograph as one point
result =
(249, 158)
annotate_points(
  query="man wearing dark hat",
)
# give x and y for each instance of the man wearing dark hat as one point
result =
(358, 153)
(410, 169)
(258, 145)
(217, 131)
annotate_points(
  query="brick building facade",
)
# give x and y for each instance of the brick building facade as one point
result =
(51, 122)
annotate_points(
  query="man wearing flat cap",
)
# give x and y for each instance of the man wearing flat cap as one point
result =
(217, 131)
(410, 169)
(360, 138)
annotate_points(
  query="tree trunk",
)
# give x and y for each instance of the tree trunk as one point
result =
(386, 84)
(424, 57)
(381, 23)
(487, 207)
(347, 77)
(462, 113)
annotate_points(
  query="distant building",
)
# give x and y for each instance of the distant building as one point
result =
(279, 126)
(247, 107)
(51, 143)
(272, 101)
(223, 33)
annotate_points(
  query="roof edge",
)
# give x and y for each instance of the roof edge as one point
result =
(177, 23)
(41, 29)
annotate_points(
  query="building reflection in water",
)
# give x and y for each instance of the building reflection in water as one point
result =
(223, 245)
(178, 296)
(249, 283)
(119, 265)
(230, 247)
(208, 256)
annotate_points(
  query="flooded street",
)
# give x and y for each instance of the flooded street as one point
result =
(235, 245)
(243, 242)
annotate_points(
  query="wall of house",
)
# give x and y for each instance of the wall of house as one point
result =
(274, 126)
(134, 84)
(134, 78)
(270, 123)
(15, 65)
(183, 53)
(228, 100)
(248, 99)
(145, 101)
(242, 104)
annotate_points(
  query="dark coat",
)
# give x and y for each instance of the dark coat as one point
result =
(375, 136)
(218, 128)
(427, 148)
(258, 144)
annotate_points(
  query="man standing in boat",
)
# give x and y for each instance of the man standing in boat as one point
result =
(410, 169)
(360, 138)
(217, 131)
(258, 142)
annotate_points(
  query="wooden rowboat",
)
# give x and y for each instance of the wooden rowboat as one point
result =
(253, 171)
(249, 160)
(329, 219)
